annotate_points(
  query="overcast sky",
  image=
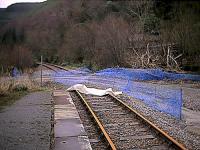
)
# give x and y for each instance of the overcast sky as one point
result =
(5, 3)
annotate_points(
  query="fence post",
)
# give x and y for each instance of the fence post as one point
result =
(155, 92)
(181, 103)
(41, 70)
(114, 83)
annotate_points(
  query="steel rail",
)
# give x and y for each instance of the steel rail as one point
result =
(60, 67)
(47, 66)
(112, 145)
(151, 124)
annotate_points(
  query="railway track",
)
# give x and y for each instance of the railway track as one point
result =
(53, 67)
(119, 126)
(112, 124)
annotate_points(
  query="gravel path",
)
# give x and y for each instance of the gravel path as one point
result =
(191, 98)
(26, 124)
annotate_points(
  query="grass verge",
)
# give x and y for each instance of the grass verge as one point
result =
(12, 89)
(10, 98)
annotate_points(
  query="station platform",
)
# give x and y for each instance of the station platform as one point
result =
(69, 132)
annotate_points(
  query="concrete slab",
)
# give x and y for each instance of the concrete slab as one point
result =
(72, 143)
(61, 100)
(65, 112)
(66, 106)
(69, 127)
(59, 93)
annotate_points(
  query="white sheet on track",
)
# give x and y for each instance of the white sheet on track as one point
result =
(93, 91)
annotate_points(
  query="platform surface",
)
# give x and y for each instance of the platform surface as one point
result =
(68, 129)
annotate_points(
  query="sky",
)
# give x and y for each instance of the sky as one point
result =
(6, 3)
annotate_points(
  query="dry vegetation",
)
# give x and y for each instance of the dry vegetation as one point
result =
(100, 33)
(9, 85)
(11, 89)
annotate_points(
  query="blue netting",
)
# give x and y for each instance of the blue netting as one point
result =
(160, 97)
(146, 74)
(165, 99)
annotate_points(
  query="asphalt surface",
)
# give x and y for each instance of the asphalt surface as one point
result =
(26, 124)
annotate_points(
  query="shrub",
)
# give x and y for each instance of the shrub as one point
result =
(20, 87)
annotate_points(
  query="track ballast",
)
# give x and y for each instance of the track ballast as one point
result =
(126, 129)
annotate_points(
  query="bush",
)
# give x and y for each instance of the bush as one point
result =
(151, 24)
(20, 87)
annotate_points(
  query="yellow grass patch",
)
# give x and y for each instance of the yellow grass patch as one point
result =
(8, 84)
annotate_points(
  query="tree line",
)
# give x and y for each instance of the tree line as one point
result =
(101, 33)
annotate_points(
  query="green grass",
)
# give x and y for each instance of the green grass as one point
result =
(9, 99)
(12, 89)
(76, 66)
(12, 97)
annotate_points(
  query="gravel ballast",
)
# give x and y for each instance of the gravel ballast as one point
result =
(174, 127)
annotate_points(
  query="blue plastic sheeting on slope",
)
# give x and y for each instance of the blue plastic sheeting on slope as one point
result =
(145, 74)
(15, 72)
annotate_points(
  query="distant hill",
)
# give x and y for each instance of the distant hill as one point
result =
(17, 10)
(2, 9)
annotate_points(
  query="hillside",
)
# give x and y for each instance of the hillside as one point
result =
(101, 33)
(17, 10)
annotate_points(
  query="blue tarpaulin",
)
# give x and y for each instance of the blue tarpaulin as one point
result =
(15, 72)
